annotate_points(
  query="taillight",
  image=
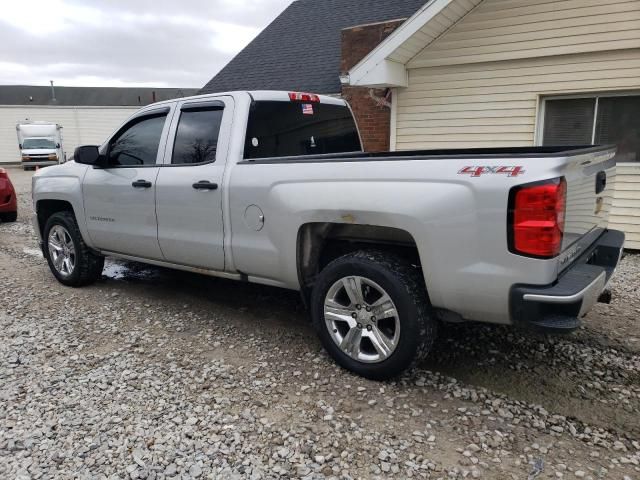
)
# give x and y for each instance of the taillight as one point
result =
(304, 97)
(536, 218)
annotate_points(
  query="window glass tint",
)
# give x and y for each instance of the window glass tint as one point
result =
(279, 129)
(138, 143)
(619, 123)
(197, 136)
(569, 122)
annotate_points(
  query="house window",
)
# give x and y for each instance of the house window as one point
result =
(598, 120)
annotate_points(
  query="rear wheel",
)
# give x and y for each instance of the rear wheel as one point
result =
(372, 313)
(69, 258)
(9, 216)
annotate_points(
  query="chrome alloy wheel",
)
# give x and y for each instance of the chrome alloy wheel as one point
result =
(62, 250)
(362, 319)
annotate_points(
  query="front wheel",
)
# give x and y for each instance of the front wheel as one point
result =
(69, 258)
(372, 313)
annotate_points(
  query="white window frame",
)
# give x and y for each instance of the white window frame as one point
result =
(542, 101)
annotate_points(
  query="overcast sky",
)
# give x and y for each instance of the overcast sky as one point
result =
(155, 43)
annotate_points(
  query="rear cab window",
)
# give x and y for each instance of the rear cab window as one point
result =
(196, 140)
(293, 128)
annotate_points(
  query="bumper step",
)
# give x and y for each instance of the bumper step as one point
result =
(555, 323)
(558, 307)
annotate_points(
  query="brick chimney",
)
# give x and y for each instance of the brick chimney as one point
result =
(371, 106)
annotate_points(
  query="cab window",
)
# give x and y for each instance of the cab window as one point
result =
(280, 129)
(137, 144)
(197, 136)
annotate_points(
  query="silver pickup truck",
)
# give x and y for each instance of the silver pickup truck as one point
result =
(273, 188)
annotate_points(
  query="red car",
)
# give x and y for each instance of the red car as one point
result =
(8, 199)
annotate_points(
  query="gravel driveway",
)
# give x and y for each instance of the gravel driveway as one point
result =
(158, 374)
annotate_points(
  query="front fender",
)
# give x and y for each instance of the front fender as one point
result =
(64, 183)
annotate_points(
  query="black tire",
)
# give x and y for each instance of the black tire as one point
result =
(405, 285)
(88, 266)
(9, 216)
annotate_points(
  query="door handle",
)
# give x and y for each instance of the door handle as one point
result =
(141, 183)
(205, 185)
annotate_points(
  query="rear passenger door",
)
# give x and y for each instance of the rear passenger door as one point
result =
(190, 186)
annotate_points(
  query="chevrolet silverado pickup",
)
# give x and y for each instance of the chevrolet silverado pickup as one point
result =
(274, 188)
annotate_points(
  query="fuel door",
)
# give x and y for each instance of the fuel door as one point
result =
(254, 218)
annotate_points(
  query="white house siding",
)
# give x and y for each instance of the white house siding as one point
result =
(479, 85)
(81, 125)
(433, 29)
(495, 103)
(508, 29)
(625, 214)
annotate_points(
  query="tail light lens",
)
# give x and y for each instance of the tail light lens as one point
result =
(536, 218)
(303, 97)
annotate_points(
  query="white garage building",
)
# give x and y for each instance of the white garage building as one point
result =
(87, 114)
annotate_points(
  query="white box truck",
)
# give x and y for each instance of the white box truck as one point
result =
(40, 144)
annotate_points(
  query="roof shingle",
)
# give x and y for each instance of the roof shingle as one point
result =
(300, 50)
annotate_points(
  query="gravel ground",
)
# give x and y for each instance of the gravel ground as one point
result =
(158, 374)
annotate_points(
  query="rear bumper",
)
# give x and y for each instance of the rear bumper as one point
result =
(560, 306)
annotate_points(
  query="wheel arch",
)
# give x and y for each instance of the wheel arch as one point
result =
(47, 207)
(318, 243)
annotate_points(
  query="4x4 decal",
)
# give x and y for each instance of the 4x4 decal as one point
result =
(509, 171)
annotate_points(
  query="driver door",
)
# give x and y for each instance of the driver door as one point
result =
(119, 200)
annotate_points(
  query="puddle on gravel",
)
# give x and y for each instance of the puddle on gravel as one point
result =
(121, 270)
(115, 269)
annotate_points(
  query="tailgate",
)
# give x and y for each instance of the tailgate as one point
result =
(590, 185)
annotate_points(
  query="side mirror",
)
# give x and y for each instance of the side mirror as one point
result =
(57, 145)
(88, 155)
(20, 145)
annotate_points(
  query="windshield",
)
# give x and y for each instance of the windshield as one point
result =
(34, 143)
(279, 129)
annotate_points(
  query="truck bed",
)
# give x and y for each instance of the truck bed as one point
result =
(442, 154)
